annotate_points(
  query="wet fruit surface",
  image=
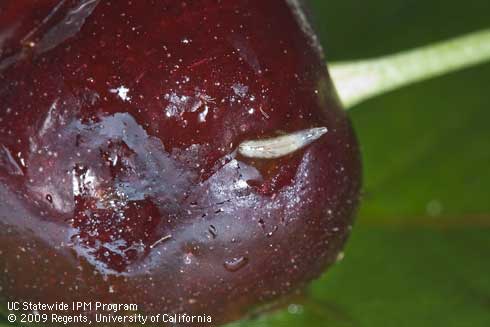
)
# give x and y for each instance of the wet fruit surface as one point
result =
(120, 179)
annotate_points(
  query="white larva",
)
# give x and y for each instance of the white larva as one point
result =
(276, 147)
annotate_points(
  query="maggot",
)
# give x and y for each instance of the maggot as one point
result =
(280, 146)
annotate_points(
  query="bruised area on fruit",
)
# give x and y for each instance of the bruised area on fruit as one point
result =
(120, 179)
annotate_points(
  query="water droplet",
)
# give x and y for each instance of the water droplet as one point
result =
(235, 264)
(340, 257)
(122, 92)
(434, 208)
(49, 198)
(269, 234)
(295, 309)
(213, 231)
(188, 258)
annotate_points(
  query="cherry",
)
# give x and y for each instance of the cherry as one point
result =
(186, 156)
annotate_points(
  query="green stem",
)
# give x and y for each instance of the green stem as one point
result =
(357, 81)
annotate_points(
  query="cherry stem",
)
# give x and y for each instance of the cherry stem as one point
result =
(357, 81)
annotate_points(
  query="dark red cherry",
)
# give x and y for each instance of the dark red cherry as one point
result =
(186, 156)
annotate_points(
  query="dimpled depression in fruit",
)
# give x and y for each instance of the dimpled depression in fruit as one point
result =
(187, 156)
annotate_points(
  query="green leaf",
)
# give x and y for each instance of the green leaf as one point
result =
(397, 276)
(425, 149)
(425, 146)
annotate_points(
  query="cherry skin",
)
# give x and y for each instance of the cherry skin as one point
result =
(121, 178)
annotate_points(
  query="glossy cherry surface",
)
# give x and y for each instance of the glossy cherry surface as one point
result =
(120, 179)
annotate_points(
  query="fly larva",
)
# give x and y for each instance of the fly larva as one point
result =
(280, 146)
